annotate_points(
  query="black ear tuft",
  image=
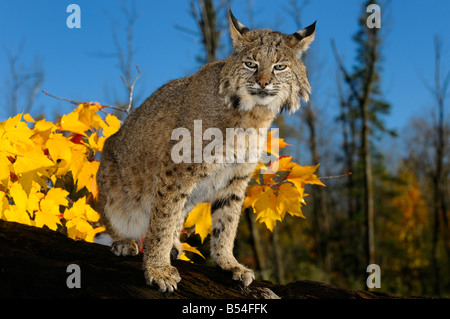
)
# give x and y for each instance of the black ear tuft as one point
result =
(237, 31)
(301, 39)
(239, 26)
(306, 32)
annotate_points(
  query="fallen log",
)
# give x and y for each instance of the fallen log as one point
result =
(36, 263)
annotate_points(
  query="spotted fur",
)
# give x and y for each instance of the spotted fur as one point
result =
(142, 191)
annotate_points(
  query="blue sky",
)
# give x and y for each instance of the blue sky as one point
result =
(75, 69)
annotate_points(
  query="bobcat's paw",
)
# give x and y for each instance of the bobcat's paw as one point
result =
(125, 247)
(243, 274)
(165, 278)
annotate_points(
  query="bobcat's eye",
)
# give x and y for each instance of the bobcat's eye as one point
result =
(279, 67)
(251, 65)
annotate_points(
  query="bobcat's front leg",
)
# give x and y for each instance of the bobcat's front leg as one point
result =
(225, 213)
(157, 268)
(167, 205)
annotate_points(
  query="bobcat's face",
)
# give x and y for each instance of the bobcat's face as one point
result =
(265, 69)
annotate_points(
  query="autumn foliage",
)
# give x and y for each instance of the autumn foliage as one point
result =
(47, 176)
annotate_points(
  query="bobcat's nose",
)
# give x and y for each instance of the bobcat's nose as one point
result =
(263, 82)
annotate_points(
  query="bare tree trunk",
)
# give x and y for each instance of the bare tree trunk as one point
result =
(365, 152)
(279, 263)
(361, 92)
(440, 221)
(367, 184)
(205, 15)
(319, 208)
(255, 242)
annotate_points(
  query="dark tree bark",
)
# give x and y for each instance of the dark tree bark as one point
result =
(34, 261)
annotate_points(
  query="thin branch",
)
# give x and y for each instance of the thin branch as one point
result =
(130, 89)
(24, 85)
(62, 99)
(34, 91)
(334, 177)
(186, 30)
(76, 102)
(347, 77)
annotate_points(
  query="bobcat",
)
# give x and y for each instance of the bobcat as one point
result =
(142, 191)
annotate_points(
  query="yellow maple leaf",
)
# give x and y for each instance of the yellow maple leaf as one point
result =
(260, 168)
(17, 131)
(42, 131)
(27, 117)
(274, 144)
(184, 257)
(48, 214)
(7, 148)
(200, 217)
(78, 159)
(94, 142)
(71, 123)
(44, 128)
(4, 168)
(83, 227)
(78, 210)
(91, 214)
(91, 233)
(78, 219)
(22, 200)
(282, 164)
(18, 215)
(288, 200)
(31, 160)
(87, 177)
(19, 196)
(252, 194)
(302, 175)
(110, 126)
(59, 147)
(4, 205)
(58, 196)
(187, 247)
(87, 114)
(266, 208)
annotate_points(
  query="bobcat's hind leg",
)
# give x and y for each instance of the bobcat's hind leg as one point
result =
(126, 225)
(119, 247)
(125, 247)
(124, 213)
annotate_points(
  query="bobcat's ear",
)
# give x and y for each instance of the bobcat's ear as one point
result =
(301, 40)
(237, 31)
